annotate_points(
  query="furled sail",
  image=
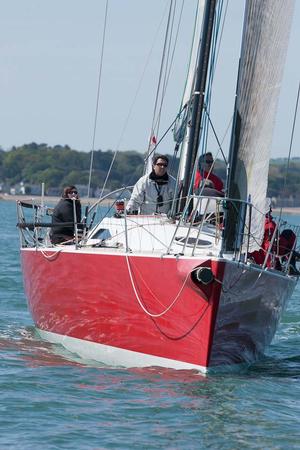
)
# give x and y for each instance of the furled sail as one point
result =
(264, 46)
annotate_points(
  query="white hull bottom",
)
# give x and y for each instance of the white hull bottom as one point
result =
(114, 356)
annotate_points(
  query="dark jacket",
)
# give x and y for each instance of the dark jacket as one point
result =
(63, 212)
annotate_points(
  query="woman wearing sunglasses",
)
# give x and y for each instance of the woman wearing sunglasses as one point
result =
(63, 219)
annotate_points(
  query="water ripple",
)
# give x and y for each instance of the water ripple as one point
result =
(52, 399)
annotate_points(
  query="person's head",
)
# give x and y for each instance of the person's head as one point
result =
(206, 161)
(160, 164)
(70, 192)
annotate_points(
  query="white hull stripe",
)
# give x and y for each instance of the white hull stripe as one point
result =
(114, 356)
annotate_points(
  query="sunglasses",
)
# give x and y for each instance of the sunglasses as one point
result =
(73, 192)
(161, 165)
(209, 161)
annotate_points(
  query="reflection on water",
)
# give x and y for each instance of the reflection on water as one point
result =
(24, 344)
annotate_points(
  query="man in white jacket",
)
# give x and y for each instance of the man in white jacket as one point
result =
(153, 193)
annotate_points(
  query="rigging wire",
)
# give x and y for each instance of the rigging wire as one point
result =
(164, 87)
(140, 82)
(290, 146)
(215, 133)
(156, 120)
(134, 100)
(160, 77)
(124, 187)
(222, 30)
(217, 37)
(168, 69)
(167, 74)
(98, 98)
(215, 56)
(165, 133)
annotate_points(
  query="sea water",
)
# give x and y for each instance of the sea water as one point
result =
(50, 399)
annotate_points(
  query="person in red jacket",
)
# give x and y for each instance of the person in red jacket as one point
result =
(259, 256)
(204, 172)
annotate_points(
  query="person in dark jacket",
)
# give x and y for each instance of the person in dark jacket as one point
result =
(63, 216)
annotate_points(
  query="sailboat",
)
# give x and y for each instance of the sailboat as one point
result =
(184, 290)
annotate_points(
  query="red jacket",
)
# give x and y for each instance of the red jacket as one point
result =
(218, 183)
(259, 255)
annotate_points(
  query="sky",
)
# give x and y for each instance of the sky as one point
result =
(50, 56)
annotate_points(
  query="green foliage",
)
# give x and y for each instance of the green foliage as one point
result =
(59, 166)
(284, 178)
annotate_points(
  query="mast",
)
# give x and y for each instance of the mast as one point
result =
(197, 99)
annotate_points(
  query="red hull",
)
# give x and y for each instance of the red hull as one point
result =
(91, 297)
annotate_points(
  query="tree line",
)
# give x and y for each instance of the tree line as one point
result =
(59, 166)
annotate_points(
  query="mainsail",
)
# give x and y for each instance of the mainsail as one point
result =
(264, 47)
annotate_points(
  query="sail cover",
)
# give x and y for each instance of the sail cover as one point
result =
(264, 46)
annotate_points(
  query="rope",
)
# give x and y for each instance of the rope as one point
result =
(140, 301)
(50, 257)
(97, 101)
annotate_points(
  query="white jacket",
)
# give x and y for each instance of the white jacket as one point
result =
(145, 194)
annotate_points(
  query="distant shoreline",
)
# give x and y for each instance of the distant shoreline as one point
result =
(288, 210)
(85, 201)
(47, 199)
